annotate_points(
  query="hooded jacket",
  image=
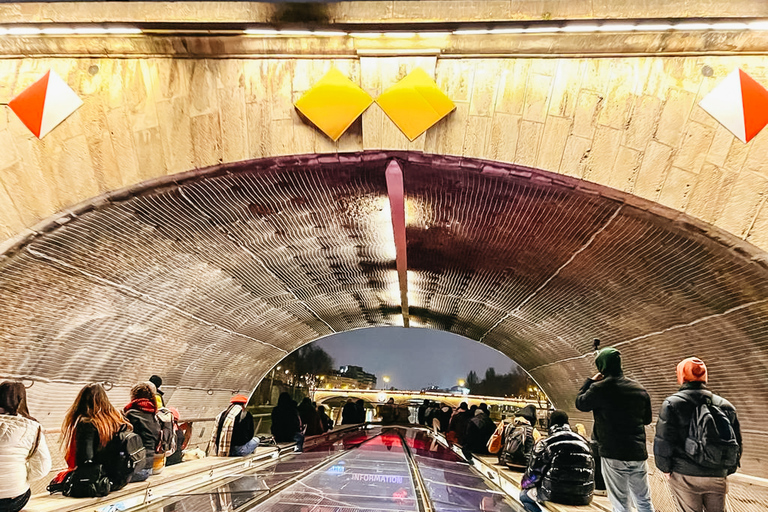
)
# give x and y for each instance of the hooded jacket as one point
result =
(672, 429)
(621, 409)
(17, 439)
(141, 414)
(562, 468)
(286, 422)
(479, 431)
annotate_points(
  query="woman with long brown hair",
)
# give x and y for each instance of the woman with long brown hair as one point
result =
(91, 422)
(24, 455)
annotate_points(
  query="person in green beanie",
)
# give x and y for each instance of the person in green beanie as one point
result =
(621, 408)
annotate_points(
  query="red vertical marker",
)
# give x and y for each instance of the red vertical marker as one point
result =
(395, 191)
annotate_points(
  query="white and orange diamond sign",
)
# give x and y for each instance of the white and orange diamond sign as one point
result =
(740, 104)
(45, 104)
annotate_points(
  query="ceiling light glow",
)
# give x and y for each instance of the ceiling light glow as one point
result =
(56, 31)
(511, 30)
(24, 31)
(541, 30)
(261, 32)
(691, 26)
(579, 28)
(617, 27)
(471, 32)
(653, 27)
(434, 34)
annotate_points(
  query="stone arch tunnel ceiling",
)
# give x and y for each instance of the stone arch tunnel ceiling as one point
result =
(212, 277)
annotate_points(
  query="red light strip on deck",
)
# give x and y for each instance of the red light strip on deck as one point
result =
(394, 175)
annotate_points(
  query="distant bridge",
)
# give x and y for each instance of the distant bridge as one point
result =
(381, 396)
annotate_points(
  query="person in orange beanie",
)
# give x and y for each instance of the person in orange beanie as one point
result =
(698, 441)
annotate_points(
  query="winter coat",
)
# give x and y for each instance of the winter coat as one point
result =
(621, 408)
(458, 425)
(88, 446)
(326, 421)
(242, 429)
(349, 414)
(285, 422)
(672, 429)
(311, 418)
(17, 439)
(562, 468)
(420, 414)
(145, 424)
(479, 431)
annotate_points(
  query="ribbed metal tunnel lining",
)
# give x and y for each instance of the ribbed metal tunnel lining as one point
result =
(211, 280)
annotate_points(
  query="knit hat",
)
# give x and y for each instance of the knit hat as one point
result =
(238, 399)
(558, 418)
(608, 361)
(692, 369)
(157, 381)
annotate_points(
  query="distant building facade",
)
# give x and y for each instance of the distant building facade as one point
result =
(366, 380)
(349, 377)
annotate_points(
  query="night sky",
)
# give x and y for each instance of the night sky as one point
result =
(413, 358)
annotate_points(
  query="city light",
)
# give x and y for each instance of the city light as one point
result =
(385, 378)
(461, 382)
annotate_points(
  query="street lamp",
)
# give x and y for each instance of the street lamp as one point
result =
(460, 382)
(385, 379)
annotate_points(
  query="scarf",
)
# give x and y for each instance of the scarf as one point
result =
(222, 435)
(142, 404)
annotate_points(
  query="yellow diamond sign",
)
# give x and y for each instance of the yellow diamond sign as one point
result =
(415, 103)
(334, 103)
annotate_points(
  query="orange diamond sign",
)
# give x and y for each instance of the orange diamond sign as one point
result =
(415, 103)
(334, 103)
(45, 104)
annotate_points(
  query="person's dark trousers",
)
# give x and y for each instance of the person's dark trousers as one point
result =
(15, 504)
(698, 493)
(599, 482)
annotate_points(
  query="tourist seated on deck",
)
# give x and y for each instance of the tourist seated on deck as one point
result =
(421, 411)
(325, 420)
(233, 433)
(349, 413)
(442, 418)
(310, 418)
(183, 433)
(479, 430)
(388, 412)
(24, 455)
(89, 426)
(457, 427)
(286, 422)
(561, 469)
(140, 412)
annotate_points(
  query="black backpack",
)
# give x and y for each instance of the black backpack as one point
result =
(517, 446)
(128, 452)
(711, 441)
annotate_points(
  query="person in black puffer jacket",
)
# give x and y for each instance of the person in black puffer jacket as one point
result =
(621, 408)
(694, 487)
(561, 468)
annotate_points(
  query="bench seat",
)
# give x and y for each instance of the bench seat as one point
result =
(510, 482)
